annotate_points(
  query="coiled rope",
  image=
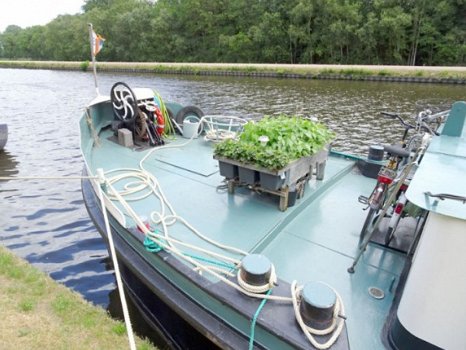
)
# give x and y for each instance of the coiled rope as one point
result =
(337, 323)
(258, 289)
(170, 245)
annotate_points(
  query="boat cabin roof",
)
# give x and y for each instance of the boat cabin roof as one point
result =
(443, 168)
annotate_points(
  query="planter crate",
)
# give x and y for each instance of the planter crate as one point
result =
(248, 176)
(274, 181)
(228, 170)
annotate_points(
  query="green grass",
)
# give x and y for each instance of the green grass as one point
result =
(38, 313)
(449, 75)
(26, 305)
(119, 329)
(357, 72)
(328, 71)
(248, 69)
(384, 73)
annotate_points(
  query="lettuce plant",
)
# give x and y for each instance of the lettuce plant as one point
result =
(289, 138)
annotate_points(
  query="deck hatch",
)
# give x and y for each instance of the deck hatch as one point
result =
(193, 159)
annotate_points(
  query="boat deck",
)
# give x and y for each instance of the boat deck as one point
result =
(316, 239)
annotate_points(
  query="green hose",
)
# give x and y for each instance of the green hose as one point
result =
(169, 129)
(254, 320)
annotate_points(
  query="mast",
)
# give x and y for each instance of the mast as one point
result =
(92, 41)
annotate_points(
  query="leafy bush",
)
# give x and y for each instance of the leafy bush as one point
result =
(84, 65)
(289, 138)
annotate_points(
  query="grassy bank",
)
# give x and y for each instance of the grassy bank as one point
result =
(428, 74)
(38, 313)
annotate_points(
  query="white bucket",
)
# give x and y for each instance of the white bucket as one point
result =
(190, 128)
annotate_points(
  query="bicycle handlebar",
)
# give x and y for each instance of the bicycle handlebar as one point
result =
(427, 128)
(401, 120)
(423, 117)
(388, 114)
(434, 117)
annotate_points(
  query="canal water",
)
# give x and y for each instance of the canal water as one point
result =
(45, 221)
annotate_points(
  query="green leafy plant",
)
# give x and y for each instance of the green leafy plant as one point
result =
(84, 65)
(289, 138)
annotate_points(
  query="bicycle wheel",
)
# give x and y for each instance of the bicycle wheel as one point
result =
(376, 201)
(390, 234)
(397, 214)
(369, 220)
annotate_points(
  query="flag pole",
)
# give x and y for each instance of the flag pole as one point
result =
(94, 64)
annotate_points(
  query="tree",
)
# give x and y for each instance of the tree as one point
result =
(296, 31)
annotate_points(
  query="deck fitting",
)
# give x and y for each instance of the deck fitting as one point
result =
(256, 269)
(376, 293)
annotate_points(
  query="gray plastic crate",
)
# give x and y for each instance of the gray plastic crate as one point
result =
(249, 176)
(273, 182)
(227, 170)
(276, 179)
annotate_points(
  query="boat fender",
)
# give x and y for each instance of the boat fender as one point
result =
(146, 225)
(255, 273)
(188, 111)
(317, 305)
(160, 121)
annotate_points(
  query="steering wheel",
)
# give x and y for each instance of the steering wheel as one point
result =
(124, 102)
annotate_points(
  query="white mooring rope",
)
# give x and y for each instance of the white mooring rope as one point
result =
(30, 178)
(129, 328)
(258, 289)
(116, 267)
(338, 318)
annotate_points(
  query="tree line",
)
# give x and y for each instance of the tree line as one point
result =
(406, 32)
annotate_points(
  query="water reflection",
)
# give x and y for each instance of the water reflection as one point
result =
(8, 164)
(3, 135)
(138, 323)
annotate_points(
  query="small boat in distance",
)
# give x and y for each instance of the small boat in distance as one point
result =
(212, 264)
(3, 135)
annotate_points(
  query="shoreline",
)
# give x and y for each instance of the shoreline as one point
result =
(410, 74)
(38, 312)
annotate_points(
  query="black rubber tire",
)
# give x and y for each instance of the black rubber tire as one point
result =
(171, 115)
(188, 111)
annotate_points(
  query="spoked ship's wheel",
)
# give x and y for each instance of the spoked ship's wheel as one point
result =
(124, 102)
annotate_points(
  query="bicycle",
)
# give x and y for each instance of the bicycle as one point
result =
(399, 156)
